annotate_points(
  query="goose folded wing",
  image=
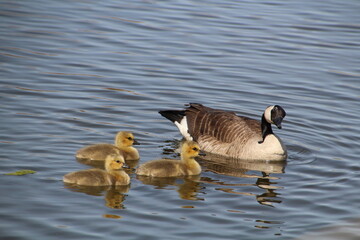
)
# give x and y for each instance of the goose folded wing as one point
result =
(222, 126)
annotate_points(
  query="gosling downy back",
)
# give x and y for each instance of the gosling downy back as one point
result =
(174, 168)
(112, 175)
(224, 133)
(123, 146)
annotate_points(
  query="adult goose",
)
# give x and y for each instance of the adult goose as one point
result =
(225, 133)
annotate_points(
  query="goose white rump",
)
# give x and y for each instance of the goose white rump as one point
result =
(225, 133)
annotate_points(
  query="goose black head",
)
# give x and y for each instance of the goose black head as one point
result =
(275, 114)
(272, 115)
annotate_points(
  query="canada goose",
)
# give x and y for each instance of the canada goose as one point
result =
(123, 145)
(174, 168)
(112, 175)
(225, 133)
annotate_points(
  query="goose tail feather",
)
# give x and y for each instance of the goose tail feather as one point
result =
(173, 115)
(178, 117)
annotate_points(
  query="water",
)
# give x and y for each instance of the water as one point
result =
(76, 72)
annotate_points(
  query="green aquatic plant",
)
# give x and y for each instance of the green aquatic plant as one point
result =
(21, 172)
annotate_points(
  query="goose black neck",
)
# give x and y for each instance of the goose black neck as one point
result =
(265, 128)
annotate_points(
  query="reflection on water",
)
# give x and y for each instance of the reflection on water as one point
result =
(187, 187)
(112, 216)
(259, 170)
(225, 166)
(240, 168)
(268, 197)
(73, 72)
(268, 223)
(114, 195)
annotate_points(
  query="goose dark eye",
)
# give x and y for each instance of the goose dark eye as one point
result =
(130, 138)
(195, 149)
(118, 161)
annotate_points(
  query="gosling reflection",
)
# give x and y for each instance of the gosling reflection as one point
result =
(114, 196)
(188, 187)
(246, 169)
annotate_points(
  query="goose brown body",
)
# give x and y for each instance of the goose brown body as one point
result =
(225, 133)
(173, 168)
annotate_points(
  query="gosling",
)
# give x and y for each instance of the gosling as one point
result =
(123, 145)
(112, 175)
(174, 168)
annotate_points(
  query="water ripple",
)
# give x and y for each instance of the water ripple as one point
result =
(74, 73)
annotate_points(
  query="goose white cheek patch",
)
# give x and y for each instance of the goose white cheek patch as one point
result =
(183, 128)
(267, 114)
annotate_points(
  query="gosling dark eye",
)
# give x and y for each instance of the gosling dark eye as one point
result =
(130, 138)
(118, 161)
(195, 149)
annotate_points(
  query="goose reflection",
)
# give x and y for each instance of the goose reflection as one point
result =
(114, 196)
(246, 169)
(187, 187)
(240, 168)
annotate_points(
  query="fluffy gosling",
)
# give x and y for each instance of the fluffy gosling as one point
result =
(112, 175)
(123, 145)
(174, 168)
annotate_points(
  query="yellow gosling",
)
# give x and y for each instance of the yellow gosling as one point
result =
(112, 175)
(174, 168)
(123, 145)
(125, 141)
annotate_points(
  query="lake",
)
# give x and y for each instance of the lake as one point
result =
(73, 73)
